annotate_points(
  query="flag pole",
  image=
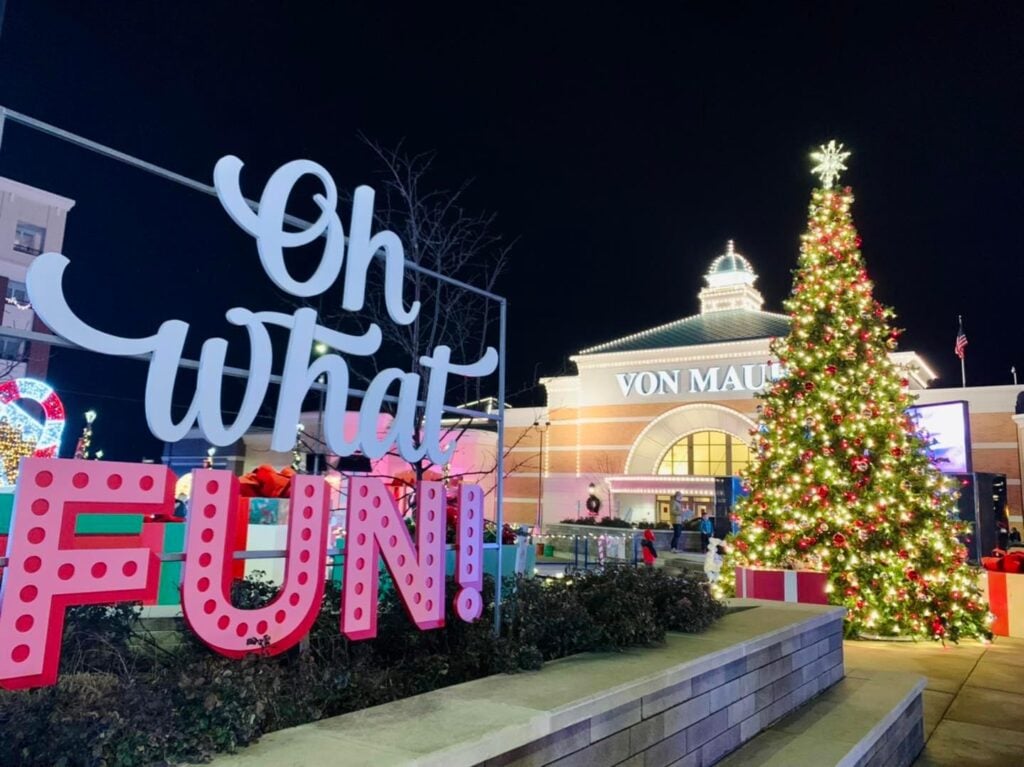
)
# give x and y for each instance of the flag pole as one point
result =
(963, 365)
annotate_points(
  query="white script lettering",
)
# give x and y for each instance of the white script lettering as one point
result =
(267, 226)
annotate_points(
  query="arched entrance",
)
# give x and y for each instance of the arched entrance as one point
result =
(648, 452)
(682, 450)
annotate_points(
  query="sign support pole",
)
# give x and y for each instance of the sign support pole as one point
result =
(499, 492)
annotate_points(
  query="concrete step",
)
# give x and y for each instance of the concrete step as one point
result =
(876, 721)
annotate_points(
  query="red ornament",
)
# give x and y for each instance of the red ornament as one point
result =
(830, 369)
(903, 554)
(860, 463)
(822, 492)
(837, 418)
(839, 539)
(897, 452)
(809, 386)
(857, 241)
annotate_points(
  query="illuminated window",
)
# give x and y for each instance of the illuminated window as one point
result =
(12, 349)
(706, 453)
(17, 291)
(29, 238)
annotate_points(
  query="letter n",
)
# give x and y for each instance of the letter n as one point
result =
(47, 574)
(376, 529)
(206, 580)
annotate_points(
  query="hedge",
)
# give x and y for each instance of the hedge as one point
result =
(123, 699)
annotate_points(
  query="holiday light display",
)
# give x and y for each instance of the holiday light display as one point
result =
(841, 481)
(85, 440)
(21, 435)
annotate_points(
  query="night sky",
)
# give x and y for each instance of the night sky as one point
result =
(619, 145)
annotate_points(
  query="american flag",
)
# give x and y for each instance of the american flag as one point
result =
(961, 341)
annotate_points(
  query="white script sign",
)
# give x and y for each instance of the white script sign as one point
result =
(266, 224)
(647, 383)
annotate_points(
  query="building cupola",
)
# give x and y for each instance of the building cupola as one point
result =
(730, 284)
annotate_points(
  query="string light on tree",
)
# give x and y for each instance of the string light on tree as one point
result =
(841, 481)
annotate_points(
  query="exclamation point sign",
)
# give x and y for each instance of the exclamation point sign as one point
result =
(469, 555)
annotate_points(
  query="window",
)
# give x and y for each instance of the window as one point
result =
(29, 238)
(707, 454)
(17, 291)
(12, 349)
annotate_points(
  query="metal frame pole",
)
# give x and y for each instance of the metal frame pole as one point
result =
(156, 170)
(499, 493)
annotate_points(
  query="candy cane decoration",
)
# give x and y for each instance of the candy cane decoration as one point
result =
(47, 435)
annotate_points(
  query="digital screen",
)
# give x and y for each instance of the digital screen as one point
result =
(944, 426)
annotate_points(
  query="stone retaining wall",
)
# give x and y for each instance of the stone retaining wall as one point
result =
(698, 720)
(687, 701)
(902, 741)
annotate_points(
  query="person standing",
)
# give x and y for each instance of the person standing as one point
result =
(707, 528)
(677, 520)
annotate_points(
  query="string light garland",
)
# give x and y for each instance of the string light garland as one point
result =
(841, 480)
(21, 434)
(13, 447)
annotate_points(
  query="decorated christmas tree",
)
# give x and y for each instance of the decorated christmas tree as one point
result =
(842, 480)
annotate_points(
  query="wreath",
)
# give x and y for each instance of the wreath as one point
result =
(593, 504)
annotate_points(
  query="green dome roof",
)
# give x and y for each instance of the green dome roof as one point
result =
(713, 328)
(730, 261)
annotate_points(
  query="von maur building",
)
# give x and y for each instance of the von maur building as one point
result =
(671, 408)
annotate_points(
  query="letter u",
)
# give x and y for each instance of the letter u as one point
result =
(206, 580)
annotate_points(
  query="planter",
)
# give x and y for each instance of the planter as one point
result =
(691, 700)
(1005, 594)
(803, 586)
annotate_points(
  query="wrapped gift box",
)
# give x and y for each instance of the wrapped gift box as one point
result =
(1005, 594)
(806, 586)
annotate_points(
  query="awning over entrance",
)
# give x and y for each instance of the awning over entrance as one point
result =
(661, 484)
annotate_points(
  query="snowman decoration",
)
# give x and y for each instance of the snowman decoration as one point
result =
(713, 560)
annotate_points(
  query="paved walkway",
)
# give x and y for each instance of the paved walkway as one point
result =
(973, 701)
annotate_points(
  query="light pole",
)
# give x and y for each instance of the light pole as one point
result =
(85, 441)
(320, 349)
(542, 427)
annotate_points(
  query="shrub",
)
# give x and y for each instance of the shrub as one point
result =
(614, 522)
(122, 701)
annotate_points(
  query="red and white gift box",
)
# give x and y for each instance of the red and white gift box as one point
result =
(805, 586)
(1005, 595)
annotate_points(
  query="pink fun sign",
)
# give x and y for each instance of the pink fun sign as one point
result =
(50, 569)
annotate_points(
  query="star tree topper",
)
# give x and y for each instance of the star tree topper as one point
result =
(830, 158)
